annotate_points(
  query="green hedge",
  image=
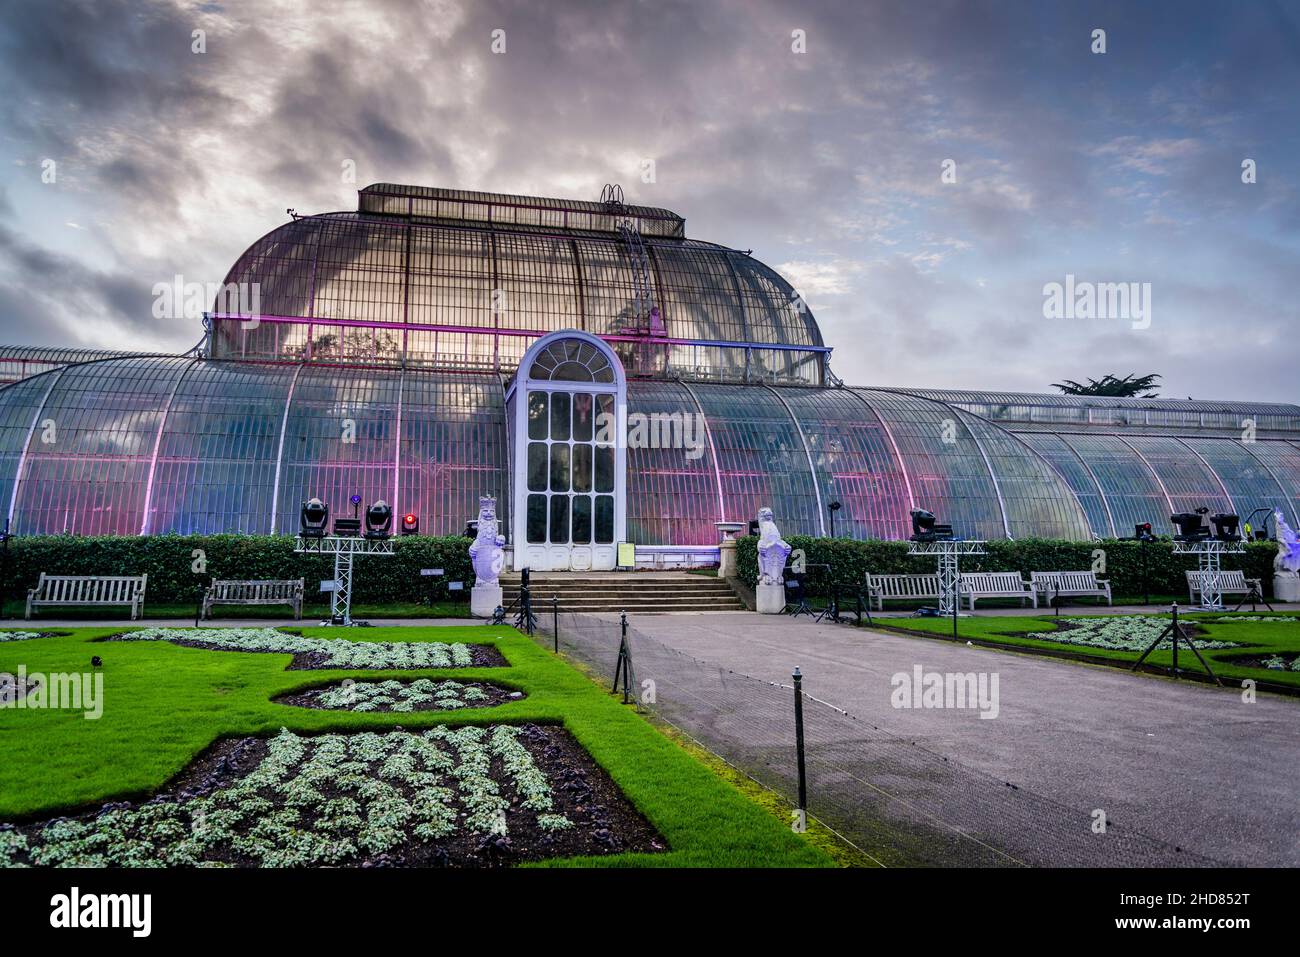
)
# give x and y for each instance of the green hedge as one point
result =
(850, 560)
(169, 561)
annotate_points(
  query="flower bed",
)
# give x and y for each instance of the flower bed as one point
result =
(423, 694)
(1119, 632)
(23, 635)
(310, 653)
(462, 797)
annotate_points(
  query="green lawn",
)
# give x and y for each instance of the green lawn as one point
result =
(1256, 638)
(163, 704)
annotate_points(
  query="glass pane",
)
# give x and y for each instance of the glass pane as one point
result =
(604, 519)
(583, 417)
(604, 468)
(560, 415)
(559, 468)
(581, 519)
(537, 415)
(582, 468)
(605, 406)
(537, 466)
(559, 519)
(537, 518)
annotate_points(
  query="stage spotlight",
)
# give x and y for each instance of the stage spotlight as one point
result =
(410, 524)
(924, 528)
(1190, 528)
(1226, 526)
(1143, 532)
(314, 519)
(347, 527)
(379, 520)
(471, 529)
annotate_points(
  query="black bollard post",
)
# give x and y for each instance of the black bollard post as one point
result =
(627, 654)
(1177, 633)
(555, 621)
(798, 740)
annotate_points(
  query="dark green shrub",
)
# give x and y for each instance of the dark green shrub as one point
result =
(850, 560)
(170, 562)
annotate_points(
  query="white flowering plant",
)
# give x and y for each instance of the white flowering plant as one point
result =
(1118, 633)
(326, 800)
(334, 652)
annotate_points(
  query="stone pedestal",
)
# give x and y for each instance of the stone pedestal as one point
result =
(1286, 588)
(771, 599)
(727, 559)
(484, 600)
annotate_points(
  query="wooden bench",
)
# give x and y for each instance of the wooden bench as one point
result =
(977, 585)
(1230, 583)
(68, 590)
(1070, 585)
(264, 592)
(882, 588)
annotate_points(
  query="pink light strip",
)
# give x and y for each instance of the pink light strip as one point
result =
(506, 331)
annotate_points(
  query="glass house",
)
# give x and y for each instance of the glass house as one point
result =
(605, 377)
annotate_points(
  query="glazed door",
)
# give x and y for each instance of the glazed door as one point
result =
(569, 513)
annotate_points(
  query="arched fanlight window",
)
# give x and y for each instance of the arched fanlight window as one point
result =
(571, 360)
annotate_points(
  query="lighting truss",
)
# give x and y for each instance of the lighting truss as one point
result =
(1209, 555)
(947, 555)
(344, 550)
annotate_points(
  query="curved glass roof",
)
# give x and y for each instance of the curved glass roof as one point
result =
(177, 444)
(471, 280)
(1158, 413)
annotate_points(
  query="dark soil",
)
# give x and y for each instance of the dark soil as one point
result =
(604, 821)
(496, 695)
(1257, 661)
(481, 656)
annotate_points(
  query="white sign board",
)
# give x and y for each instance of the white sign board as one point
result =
(431, 571)
(455, 586)
(331, 584)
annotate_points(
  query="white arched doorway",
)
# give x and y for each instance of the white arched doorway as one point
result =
(568, 410)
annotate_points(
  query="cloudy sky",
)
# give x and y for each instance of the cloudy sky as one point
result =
(827, 161)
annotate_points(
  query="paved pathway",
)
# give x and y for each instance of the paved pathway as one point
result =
(1183, 762)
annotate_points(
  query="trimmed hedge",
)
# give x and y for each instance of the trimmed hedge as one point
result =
(170, 561)
(850, 560)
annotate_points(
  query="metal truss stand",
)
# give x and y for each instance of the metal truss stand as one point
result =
(1209, 554)
(947, 555)
(1174, 631)
(344, 551)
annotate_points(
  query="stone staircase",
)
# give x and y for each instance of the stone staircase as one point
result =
(643, 593)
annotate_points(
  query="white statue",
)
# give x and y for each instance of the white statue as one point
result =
(486, 554)
(772, 550)
(1287, 559)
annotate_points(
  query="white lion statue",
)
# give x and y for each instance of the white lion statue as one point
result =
(773, 550)
(486, 554)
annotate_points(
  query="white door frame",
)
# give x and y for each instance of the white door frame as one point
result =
(557, 557)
